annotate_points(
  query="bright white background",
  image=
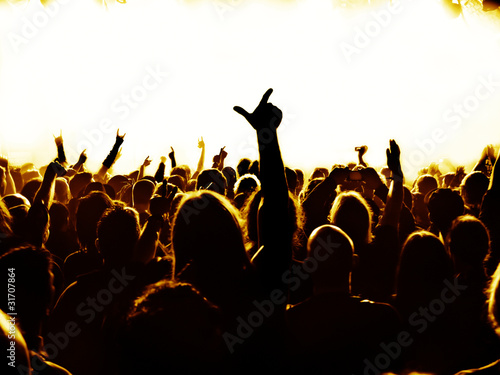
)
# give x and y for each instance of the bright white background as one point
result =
(71, 71)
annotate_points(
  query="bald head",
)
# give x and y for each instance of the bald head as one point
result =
(333, 250)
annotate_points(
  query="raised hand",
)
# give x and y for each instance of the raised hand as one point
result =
(393, 161)
(83, 157)
(171, 155)
(163, 159)
(58, 139)
(361, 150)
(265, 115)
(120, 136)
(222, 153)
(201, 144)
(147, 161)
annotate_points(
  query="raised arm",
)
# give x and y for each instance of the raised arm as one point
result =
(487, 154)
(171, 155)
(45, 192)
(201, 162)
(111, 158)
(395, 196)
(143, 166)
(361, 152)
(61, 156)
(160, 172)
(274, 255)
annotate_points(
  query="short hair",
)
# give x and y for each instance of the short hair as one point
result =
(142, 191)
(468, 240)
(118, 232)
(473, 187)
(212, 179)
(171, 328)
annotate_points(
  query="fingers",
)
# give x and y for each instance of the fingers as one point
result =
(172, 149)
(265, 97)
(242, 112)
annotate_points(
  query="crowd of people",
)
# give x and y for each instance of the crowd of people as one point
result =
(249, 269)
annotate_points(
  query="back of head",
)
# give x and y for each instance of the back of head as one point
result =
(230, 175)
(93, 186)
(468, 241)
(212, 179)
(181, 170)
(423, 266)
(142, 192)
(30, 188)
(171, 328)
(473, 188)
(117, 182)
(426, 183)
(247, 183)
(444, 206)
(319, 172)
(13, 200)
(207, 231)
(118, 231)
(178, 181)
(61, 191)
(78, 183)
(353, 215)
(59, 216)
(243, 166)
(332, 250)
(90, 210)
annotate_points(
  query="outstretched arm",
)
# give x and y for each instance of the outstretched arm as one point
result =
(45, 192)
(361, 152)
(201, 162)
(171, 155)
(61, 156)
(143, 166)
(111, 158)
(274, 255)
(160, 172)
(395, 195)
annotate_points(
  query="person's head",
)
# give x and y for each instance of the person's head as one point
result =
(423, 266)
(118, 231)
(61, 191)
(59, 217)
(207, 231)
(425, 184)
(13, 200)
(78, 183)
(444, 206)
(243, 166)
(332, 250)
(142, 192)
(353, 215)
(117, 182)
(212, 179)
(171, 328)
(5, 220)
(247, 184)
(93, 186)
(34, 288)
(178, 181)
(468, 242)
(473, 188)
(181, 170)
(89, 211)
(30, 188)
(311, 184)
(230, 175)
